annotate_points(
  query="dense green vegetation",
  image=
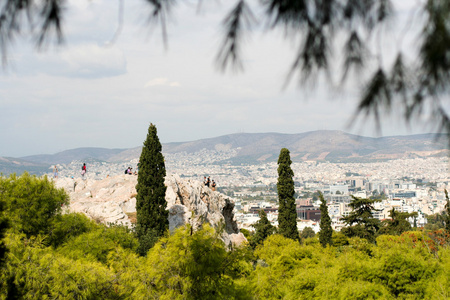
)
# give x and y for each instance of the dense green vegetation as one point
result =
(72, 257)
(151, 214)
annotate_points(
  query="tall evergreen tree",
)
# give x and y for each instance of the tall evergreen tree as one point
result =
(287, 213)
(326, 232)
(447, 213)
(263, 229)
(152, 216)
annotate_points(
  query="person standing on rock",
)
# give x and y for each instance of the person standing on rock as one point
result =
(55, 172)
(208, 182)
(74, 184)
(213, 185)
(83, 170)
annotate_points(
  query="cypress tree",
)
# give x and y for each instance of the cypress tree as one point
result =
(447, 213)
(152, 216)
(287, 213)
(326, 232)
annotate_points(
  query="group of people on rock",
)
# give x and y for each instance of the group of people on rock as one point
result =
(129, 171)
(209, 183)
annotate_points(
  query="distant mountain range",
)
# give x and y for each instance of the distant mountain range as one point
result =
(254, 148)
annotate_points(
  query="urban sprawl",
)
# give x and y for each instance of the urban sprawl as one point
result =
(407, 185)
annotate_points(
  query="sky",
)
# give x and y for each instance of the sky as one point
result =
(99, 91)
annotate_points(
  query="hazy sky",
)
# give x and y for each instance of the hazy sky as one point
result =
(94, 93)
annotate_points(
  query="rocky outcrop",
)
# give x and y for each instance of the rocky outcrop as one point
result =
(194, 203)
(189, 202)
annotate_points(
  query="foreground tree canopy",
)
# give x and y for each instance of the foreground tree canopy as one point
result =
(418, 85)
(72, 257)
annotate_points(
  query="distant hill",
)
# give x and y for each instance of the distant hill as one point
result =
(68, 156)
(323, 145)
(9, 165)
(253, 148)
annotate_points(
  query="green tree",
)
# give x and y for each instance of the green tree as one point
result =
(326, 232)
(39, 272)
(316, 196)
(263, 229)
(307, 232)
(398, 223)
(95, 245)
(31, 202)
(409, 83)
(447, 213)
(4, 225)
(67, 226)
(366, 226)
(287, 213)
(435, 221)
(196, 265)
(151, 213)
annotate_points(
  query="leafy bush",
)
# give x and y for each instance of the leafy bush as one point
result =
(31, 202)
(67, 226)
(196, 265)
(36, 272)
(96, 244)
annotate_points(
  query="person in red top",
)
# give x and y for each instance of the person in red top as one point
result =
(83, 170)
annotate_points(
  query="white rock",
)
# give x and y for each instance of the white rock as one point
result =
(189, 202)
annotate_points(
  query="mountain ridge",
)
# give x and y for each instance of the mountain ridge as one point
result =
(323, 145)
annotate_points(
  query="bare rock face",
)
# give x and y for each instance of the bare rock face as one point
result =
(194, 203)
(106, 200)
(188, 202)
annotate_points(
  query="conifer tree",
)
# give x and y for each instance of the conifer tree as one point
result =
(366, 226)
(152, 216)
(447, 213)
(326, 232)
(287, 213)
(263, 229)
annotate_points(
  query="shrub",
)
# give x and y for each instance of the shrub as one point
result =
(31, 202)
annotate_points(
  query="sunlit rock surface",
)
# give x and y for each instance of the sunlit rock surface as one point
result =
(188, 201)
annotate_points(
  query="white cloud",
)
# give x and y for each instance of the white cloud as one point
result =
(161, 82)
(86, 61)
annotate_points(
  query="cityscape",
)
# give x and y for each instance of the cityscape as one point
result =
(407, 185)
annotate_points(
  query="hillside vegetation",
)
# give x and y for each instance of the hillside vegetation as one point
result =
(68, 256)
